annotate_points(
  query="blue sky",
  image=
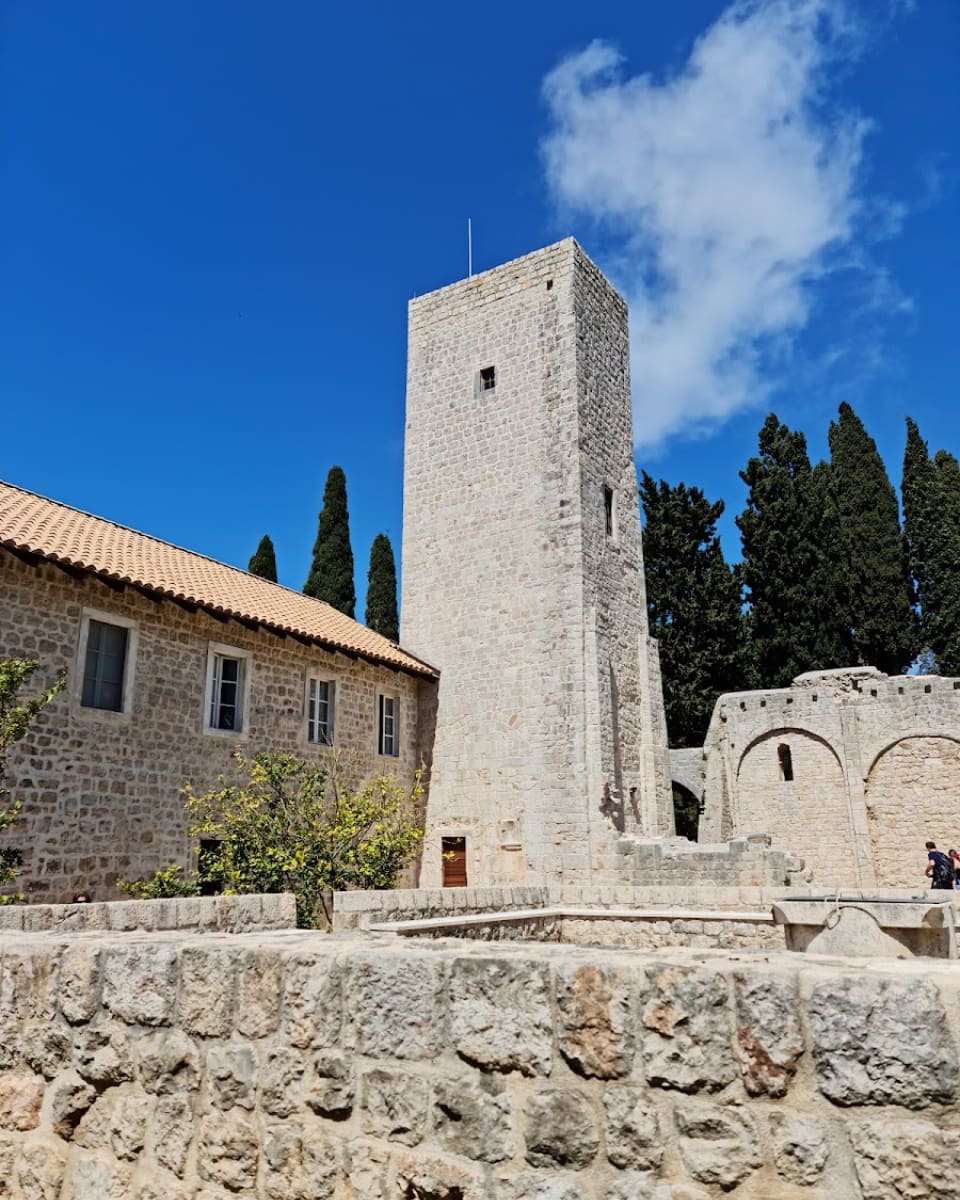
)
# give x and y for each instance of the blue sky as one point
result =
(212, 217)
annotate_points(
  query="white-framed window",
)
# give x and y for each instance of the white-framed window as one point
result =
(228, 689)
(106, 661)
(321, 709)
(388, 725)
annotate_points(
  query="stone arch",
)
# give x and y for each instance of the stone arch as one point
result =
(686, 811)
(808, 814)
(912, 793)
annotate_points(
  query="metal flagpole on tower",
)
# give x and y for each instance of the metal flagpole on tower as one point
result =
(469, 248)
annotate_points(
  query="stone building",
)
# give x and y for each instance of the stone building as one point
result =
(851, 769)
(172, 661)
(523, 576)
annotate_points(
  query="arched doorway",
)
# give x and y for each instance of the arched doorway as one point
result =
(686, 812)
(912, 795)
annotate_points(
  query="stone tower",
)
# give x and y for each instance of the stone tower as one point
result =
(523, 576)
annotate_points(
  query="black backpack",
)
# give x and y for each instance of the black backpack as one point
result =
(942, 870)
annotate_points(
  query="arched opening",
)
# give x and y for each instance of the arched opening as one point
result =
(686, 812)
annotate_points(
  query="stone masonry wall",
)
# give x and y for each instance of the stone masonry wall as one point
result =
(292, 1066)
(101, 791)
(876, 772)
(511, 585)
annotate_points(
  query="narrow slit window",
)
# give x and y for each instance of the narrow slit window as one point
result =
(488, 379)
(608, 516)
(786, 763)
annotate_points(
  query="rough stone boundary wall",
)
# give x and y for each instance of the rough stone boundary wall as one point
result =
(293, 1066)
(223, 914)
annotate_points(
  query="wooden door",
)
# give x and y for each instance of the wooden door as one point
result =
(454, 851)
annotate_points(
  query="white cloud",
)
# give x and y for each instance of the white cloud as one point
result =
(732, 188)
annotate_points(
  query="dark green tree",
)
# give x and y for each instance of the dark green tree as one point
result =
(870, 551)
(264, 562)
(693, 604)
(331, 572)
(931, 514)
(381, 614)
(796, 593)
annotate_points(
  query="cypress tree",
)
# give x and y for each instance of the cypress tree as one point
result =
(264, 561)
(931, 517)
(693, 604)
(381, 613)
(331, 572)
(871, 549)
(789, 530)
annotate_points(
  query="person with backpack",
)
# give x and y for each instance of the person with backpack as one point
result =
(939, 868)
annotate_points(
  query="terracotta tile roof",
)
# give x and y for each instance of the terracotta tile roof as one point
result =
(36, 526)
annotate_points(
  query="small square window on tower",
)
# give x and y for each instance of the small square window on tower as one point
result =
(488, 379)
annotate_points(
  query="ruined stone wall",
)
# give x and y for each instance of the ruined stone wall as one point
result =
(290, 1066)
(876, 772)
(101, 791)
(549, 697)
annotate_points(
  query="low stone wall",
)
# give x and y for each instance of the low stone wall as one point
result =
(223, 914)
(741, 862)
(357, 910)
(297, 1066)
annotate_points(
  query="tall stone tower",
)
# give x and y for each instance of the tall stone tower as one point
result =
(523, 576)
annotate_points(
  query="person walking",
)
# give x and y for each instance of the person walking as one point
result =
(939, 868)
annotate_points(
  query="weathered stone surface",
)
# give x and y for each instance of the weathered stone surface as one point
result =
(472, 1117)
(906, 1160)
(633, 1131)
(169, 1062)
(102, 1053)
(228, 1150)
(719, 1143)
(635, 1185)
(501, 1016)
(170, 1133)
(140, 982)
(312, 1006)
(46, 1047)
(128, 1126)
(330, 1091)
(298, 1165)
(80, 982)
(281, 1081)
(594, 1030)
(394, 1105)
(207, 990)
(258, 993)
(435, 1177)
(800, 1147)
(154, 1189)
(560, 1129)
(536, 1187)
(20, 1100)
(231, 1076)
(397, 1006)
(41, 1167)
(71, 1096)
(688, 1040)
(28, 982)
(882, 1041)
(769, 1037)
(366, 1169)
(87, 1176)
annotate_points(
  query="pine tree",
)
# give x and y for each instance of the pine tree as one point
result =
(931, 518)
(870, 549)
(381, 614)
(693, 604)
(331, 572)
(789, 529)
(264, 561)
